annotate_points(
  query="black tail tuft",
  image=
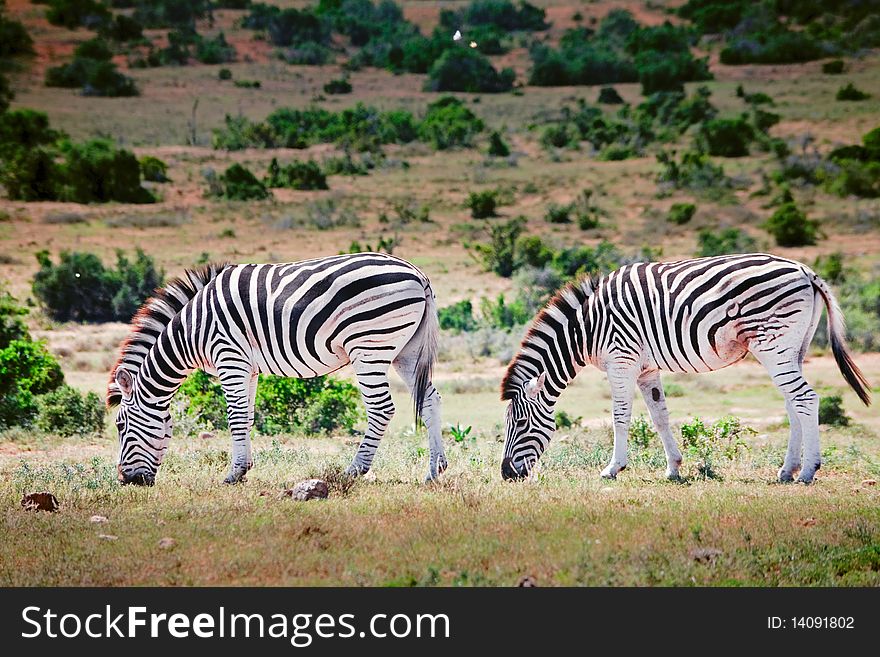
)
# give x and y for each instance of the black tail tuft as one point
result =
(850, 371)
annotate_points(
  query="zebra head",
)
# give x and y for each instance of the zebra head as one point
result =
(529, 425)
(144, 434)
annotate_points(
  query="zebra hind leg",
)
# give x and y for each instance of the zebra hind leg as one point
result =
(652, 390)
(405, 366)
(372, 378)
(240, 391)
(802, 402)
(792, 461)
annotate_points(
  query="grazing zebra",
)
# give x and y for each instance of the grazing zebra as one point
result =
(688, 316)
(302, 320)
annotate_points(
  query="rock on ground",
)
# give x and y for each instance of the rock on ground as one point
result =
(311, 489)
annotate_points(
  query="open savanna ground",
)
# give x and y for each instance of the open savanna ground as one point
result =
(564, 526)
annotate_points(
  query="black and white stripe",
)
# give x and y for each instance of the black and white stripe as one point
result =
(302, 320)
(688, 316)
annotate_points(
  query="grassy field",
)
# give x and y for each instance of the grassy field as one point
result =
(564, 527)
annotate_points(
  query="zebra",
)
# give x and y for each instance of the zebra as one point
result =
(688, 316)
(303, 319)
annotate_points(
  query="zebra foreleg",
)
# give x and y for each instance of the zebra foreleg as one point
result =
(240, 392)
(622, 382)
(372, 378)
(652, 390)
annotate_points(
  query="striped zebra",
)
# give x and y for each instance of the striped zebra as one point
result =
(302, 320)
(688, 316)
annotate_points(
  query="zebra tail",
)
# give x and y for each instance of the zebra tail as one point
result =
(425, 338)
(837, 338)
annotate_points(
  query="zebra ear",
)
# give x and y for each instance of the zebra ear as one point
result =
(125, 382)
(535, 386)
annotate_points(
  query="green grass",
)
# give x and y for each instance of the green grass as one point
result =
(565, 527)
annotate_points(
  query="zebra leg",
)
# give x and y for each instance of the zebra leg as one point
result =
(802, 403)
(239, 389)
(405, 366)
(652, 390)
(622, 382)
(372, 378)
(792, 461)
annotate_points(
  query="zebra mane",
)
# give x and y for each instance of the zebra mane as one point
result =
(152, 318)
(517, 374)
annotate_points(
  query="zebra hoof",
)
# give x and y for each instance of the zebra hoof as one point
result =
(608, 475)
(806, 480)
(784, 476)
(356, 470)
(673, 476)
(236, 477)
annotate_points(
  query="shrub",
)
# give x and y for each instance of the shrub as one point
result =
(504, 315)
(27, 369)
(850, 92)
(532, 252)
(483, 204)
(224, 74)
(609, 96)
(504, 15)
(296, 175)
(559, 136)
(464, 69)
(790, 226)
(724, 439)
(831, 411)
(458, 317)
(338, 86)
(67, 412)
(122, 28)
(93, 71)
(772, 46)
(215, 51)
(449, 123)
(154, 169)
(247, 84)
(559, 214)
(283, 405)
(14, 38)
(497, 145)
(765, 120)
(669, 71)
(694, 171)
(239, 184)
(854, 178)
(12, 327)
(681, 213)
(641, 432)
(833, 67)
(499, 255)
(77, 13)
(727, 137)
(97, 172)
(729, 240)
(80, 288)
(28, 169)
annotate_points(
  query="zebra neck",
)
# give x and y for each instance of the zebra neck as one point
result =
(558, 344)
(170, 360)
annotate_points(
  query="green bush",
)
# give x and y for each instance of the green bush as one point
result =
(296, 175)
(764, 120)
(727, 137)
(239, 184)
(14, 38)
(465, 69)
(67, 412)
(77, 13)
(724, 439)
(122, 28)
(642, 433)
(224, 74)
(449, 123)
(93, 71)
(499, 255)
(497, 145)
(458, 317)
(338, 86)
(27, 369)
(833, 67)
(12, 327)
(559, 214)
(791, 227)
(609, 96)
(681, 213)
(483, 204)
(773, 45)
(80, 288)
(28, 170)
(850, 92)
(154, 169)
(505, 15)
(728, 240)
(247, 84)
(855, 178)
(694, 171)
(559, 136)
(502, 314)
(215, 51)
(831, 411)
(97, 172)
(283, 405)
